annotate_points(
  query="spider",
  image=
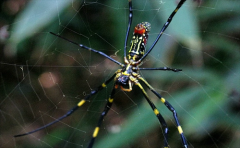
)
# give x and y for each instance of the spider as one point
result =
(128, 76)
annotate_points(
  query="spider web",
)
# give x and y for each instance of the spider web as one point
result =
(42, 77)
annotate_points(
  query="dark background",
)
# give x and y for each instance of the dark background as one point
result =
(42, 77)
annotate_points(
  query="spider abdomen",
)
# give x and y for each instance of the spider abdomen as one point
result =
(139, 41)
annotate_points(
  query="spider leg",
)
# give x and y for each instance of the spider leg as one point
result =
(88, 48)
(170, 107)
(162, 68)
(163, 29)
(93, 92)
(104, 113)
(128, 29)
(157, 113)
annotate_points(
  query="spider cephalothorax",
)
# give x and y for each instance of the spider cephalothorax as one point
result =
(126, 77)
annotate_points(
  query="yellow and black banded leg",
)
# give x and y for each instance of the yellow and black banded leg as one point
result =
(157, 113)
(93, 92)
(104, 113)
(170, 107)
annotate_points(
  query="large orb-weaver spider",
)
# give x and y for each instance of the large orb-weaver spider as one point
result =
(129, 75)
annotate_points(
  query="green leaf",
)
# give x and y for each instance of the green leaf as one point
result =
(37, 15)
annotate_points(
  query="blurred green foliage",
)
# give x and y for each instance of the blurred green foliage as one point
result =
(203, 40)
